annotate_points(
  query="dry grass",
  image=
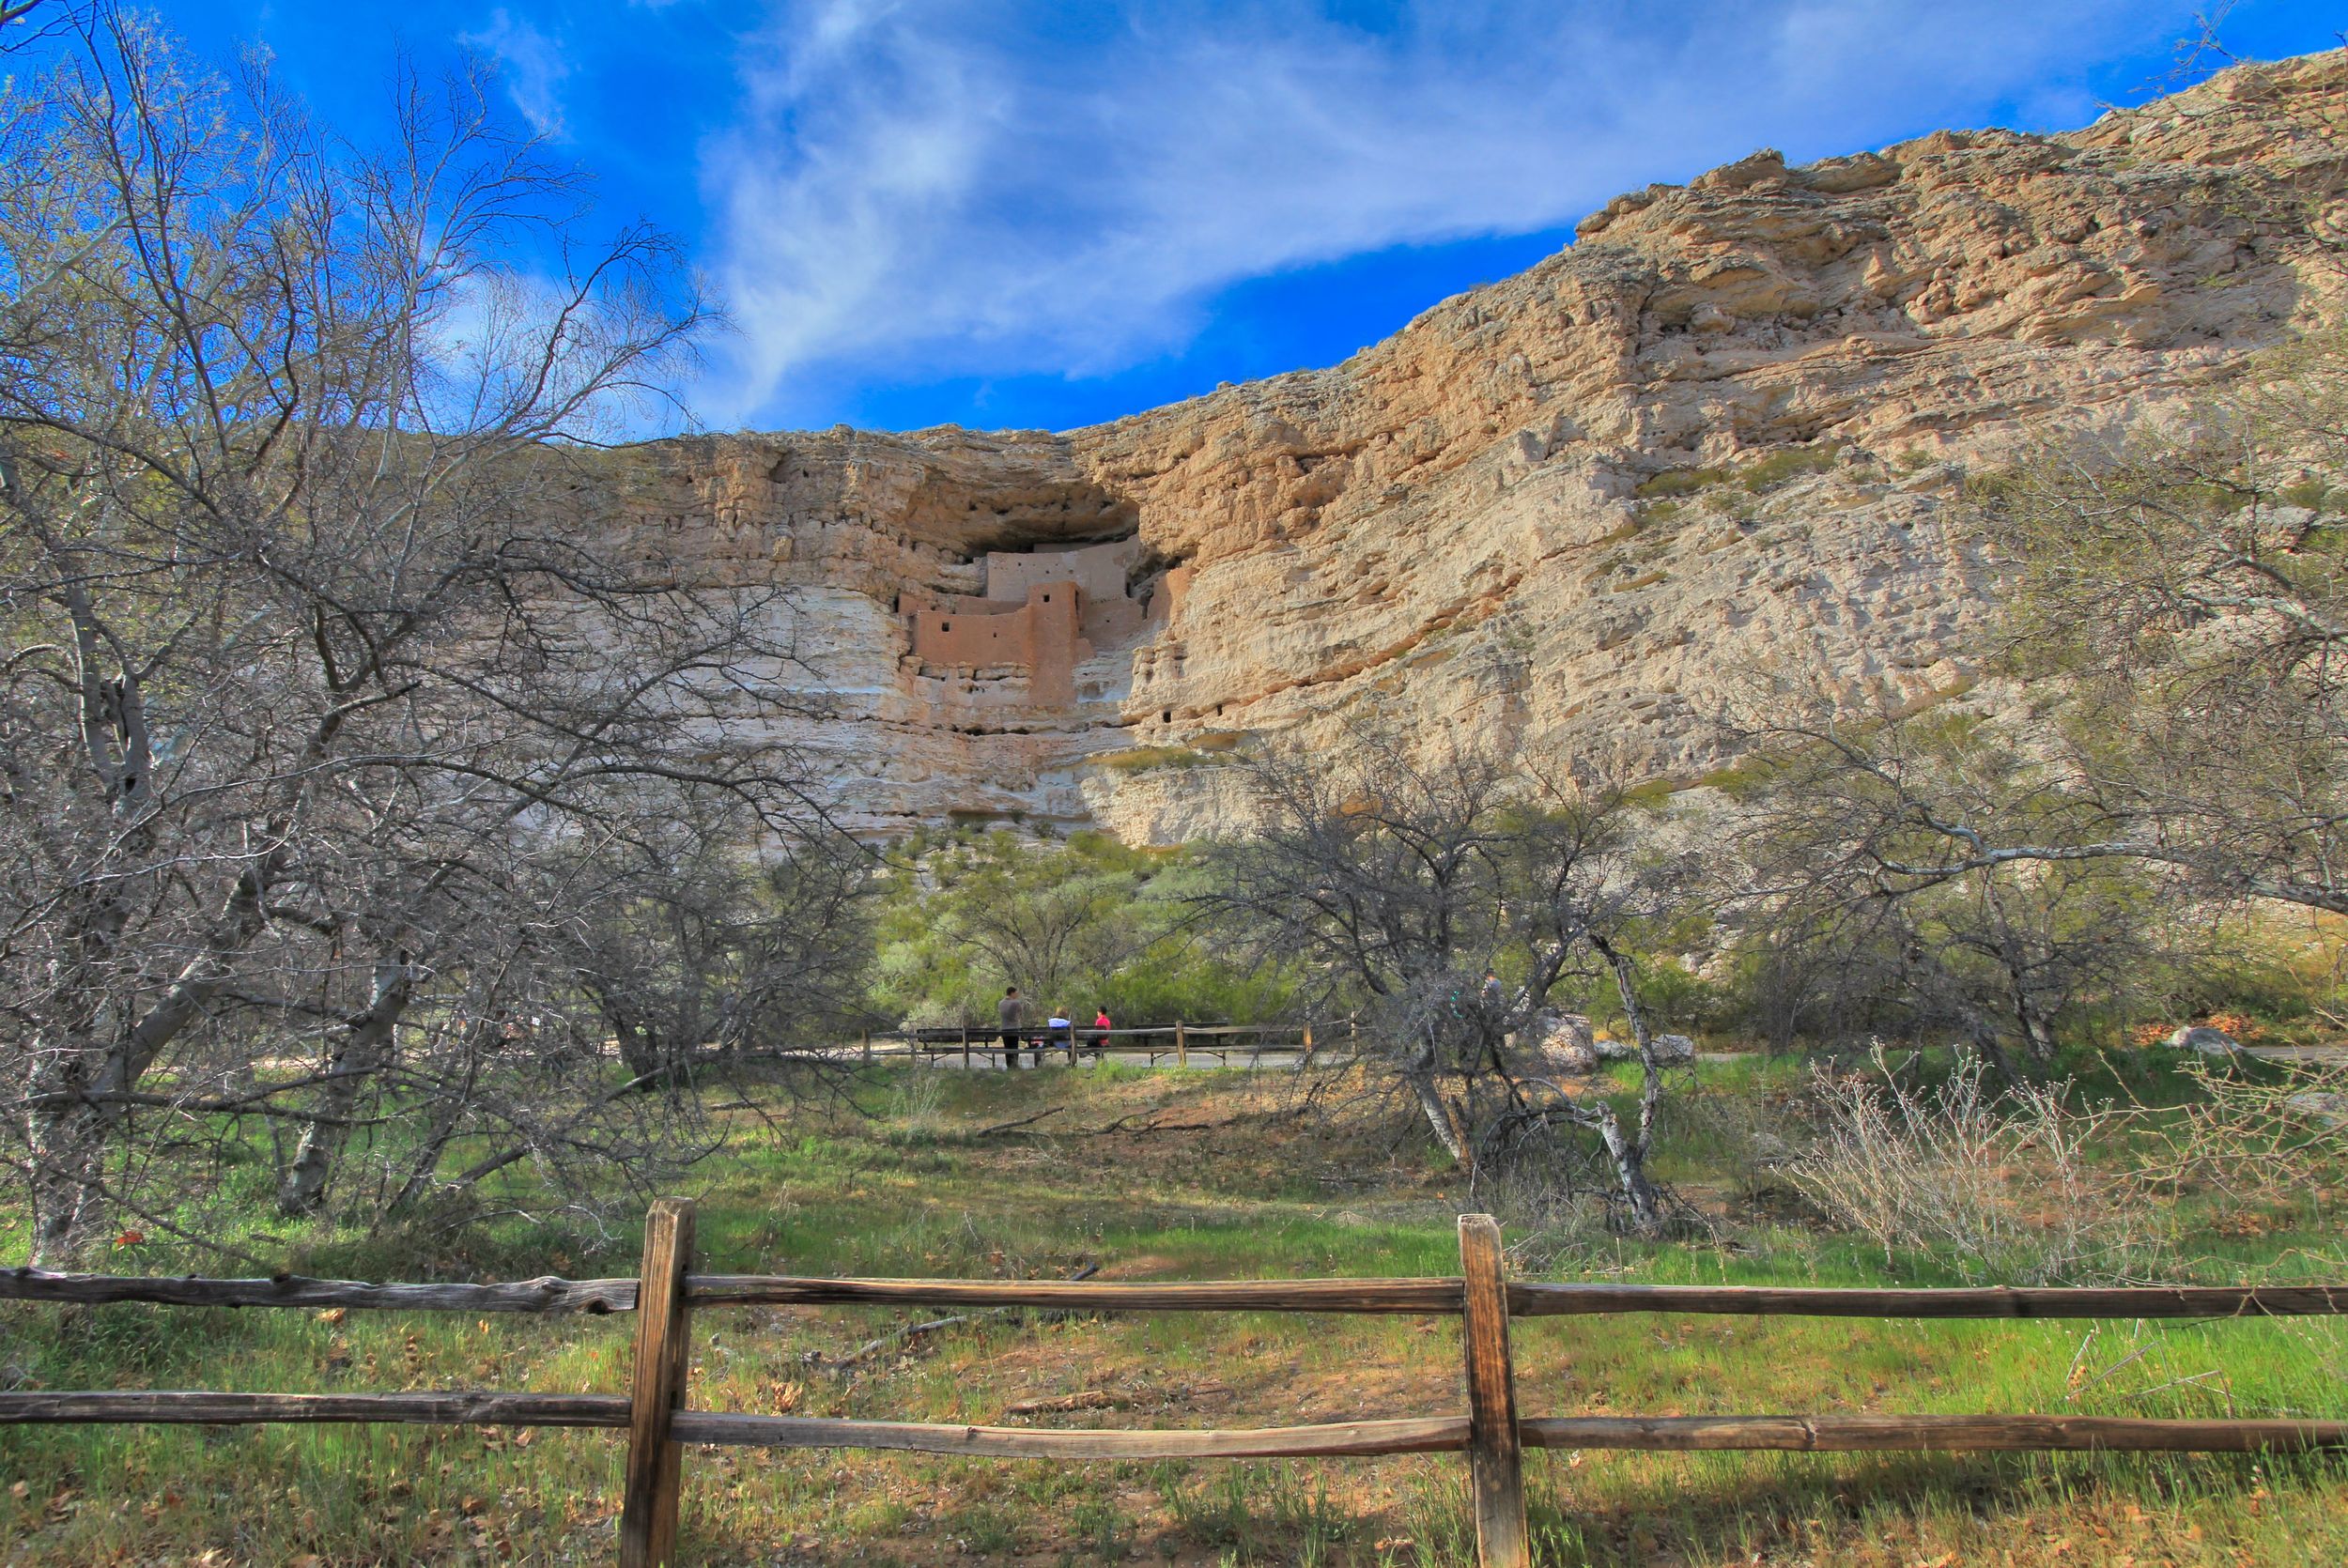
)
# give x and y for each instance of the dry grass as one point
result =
(2005, 1184)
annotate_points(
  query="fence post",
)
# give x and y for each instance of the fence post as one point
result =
(1495, 1457)
(648, 1510)
(965, 1048)
(1181, 1045)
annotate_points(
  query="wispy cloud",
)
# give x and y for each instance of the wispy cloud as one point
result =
(532, 66)
(945, 188)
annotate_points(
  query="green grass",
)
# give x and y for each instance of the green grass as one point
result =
(1680, 482)
(1248, 1180)
(1787, 464)
(1763, 473)
(1144, 759)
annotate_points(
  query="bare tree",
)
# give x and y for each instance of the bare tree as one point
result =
(25, 23)
(1882, 890)
(2177, 608)
(2188, 601)
(317, 729)
(1401, 878)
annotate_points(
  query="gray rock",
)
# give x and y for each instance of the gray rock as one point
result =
(2329, 1109)
(2204, 1039)
(1561, 1043)
(1668, 1048)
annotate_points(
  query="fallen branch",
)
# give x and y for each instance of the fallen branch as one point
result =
(1006, 1127)
(1119, 1123)
(1089, 1399)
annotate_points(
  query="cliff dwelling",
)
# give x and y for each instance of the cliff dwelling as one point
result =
(1041, 612)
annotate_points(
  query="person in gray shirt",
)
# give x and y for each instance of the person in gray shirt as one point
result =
(1012, 1012)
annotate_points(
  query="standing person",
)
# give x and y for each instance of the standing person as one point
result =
(1491, 995)
(1011, 1012)
(1100, 1027)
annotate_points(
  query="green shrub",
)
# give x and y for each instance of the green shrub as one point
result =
(1780, 467)
(1679, 481)
(1143, 759)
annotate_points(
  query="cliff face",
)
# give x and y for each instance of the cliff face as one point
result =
(1716, 435)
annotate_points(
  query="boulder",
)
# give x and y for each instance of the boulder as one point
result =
(1561, 1043)
(2329, 1109)
(2203, 1038)
(1668, 1048)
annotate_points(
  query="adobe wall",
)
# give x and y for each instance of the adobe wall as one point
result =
(1098, 570)
(1041, 634)
(996, 633)
(1045, 610)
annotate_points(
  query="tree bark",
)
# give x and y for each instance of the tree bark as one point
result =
(1441, 1116)
(363, 1052)
(1630, 1152)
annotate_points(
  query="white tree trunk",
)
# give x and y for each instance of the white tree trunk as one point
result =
(365, 1050)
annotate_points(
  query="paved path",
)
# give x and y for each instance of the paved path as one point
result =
(2307, 1056)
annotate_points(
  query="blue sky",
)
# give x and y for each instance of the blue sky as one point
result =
(1035, 215)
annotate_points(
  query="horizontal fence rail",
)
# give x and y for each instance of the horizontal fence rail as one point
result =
(1490, 1434)
(1341, 1295)
(294, 1290)
(1289, 1296)
(1424, 1435)
(454, 1408)
(1555, 1300)
(1931, 1434)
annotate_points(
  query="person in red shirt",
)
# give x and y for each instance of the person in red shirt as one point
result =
(1100, 1029)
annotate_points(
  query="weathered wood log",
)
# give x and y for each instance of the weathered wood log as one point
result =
(293, 1290)
(1932, 1434)
(176, 1408)
(1331, 1296)
(551, 1295)
(1495, 1461)
(1543, 1300)
(648, 1507)
(1433, 1435)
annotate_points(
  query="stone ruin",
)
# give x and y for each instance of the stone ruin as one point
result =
(1043, 611)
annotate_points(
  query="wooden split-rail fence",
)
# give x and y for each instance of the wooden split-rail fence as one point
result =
(660, 1424)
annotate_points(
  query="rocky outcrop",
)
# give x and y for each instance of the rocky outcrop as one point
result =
(1565, 514)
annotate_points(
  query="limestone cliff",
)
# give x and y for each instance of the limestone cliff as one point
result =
(1717, 433)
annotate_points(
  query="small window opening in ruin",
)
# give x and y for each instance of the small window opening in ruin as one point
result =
(1165, 716)
(1047, 598)
(945, 625)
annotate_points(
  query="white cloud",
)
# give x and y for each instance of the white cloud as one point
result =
(532, 66)
(955, 188)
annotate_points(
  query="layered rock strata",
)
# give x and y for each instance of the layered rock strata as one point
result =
(1564, 515)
